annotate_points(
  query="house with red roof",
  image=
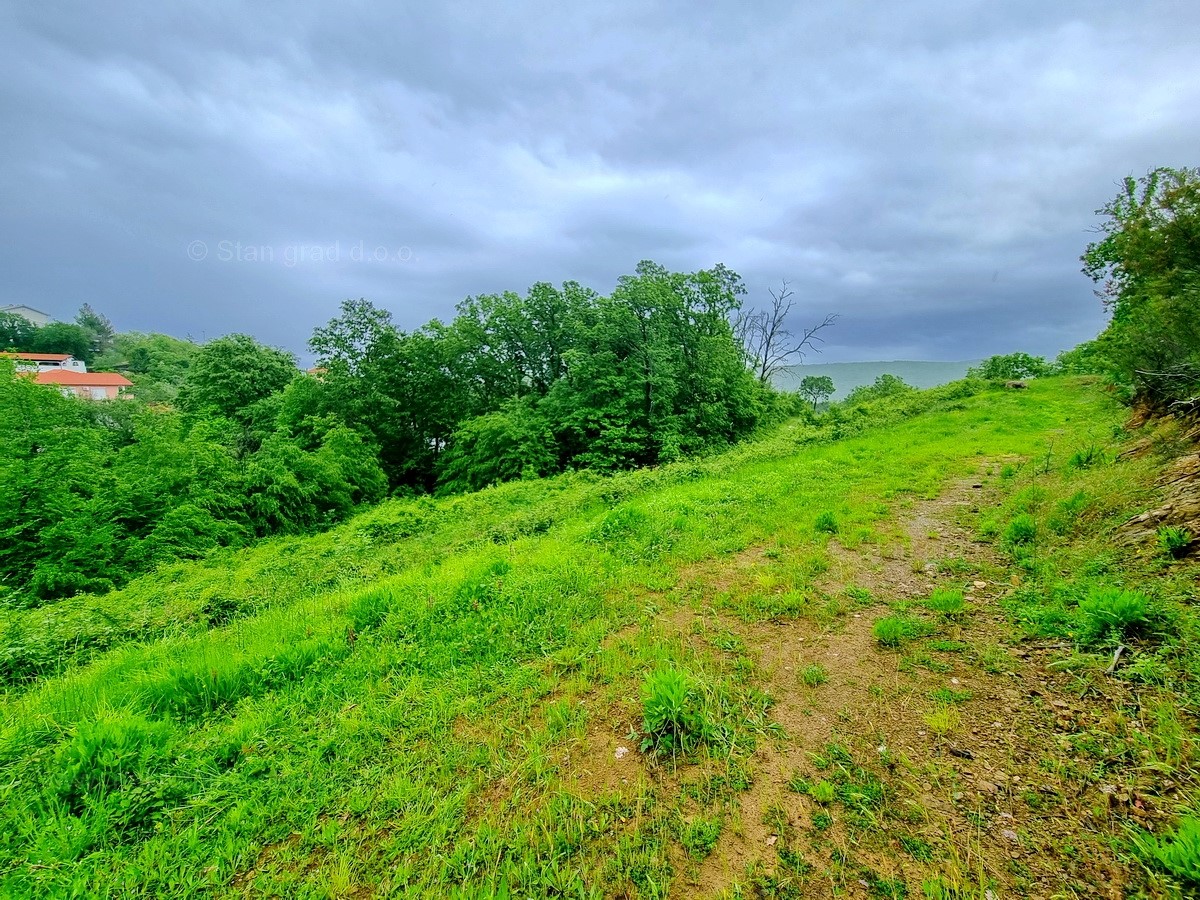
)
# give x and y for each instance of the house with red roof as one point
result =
(42, 362)
(86, 385)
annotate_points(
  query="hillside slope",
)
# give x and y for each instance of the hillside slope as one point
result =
(447, 696)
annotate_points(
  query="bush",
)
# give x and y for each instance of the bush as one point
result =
(1111, 614)
(1177, 853)
(1010, 367)
(814, 675)
(673, 718)
(1173, 540)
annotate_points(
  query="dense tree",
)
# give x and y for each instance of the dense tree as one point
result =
(816, 389)
(1010, 367)
(229, 375)
(63, 337)
(1147, 263)
(16, 332)
(98, 328)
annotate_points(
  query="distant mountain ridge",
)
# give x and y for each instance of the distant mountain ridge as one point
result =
(849, 375)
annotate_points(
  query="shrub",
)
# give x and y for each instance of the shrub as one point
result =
(1112, 614)
(1174, 540)
(673, 717)
(1022, 530)
(826, 523)
(1177, 853)
(1010, 367)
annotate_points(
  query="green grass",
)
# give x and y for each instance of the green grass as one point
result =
(401, 703)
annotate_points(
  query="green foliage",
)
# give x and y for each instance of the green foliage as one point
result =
(63, 337)
(1021, 531)
(1148, 262)
(826, 523)
(16, 332)
(673, 717)
(231, 374)
(893, 631)
(700, 837)
(515, 442)
(1177, 852)
(814, 675)
(885, 386)
(1112, 614)
(1174, 540)
(1010, 367)
(816, 389)
(1086, 457)
(948, 602)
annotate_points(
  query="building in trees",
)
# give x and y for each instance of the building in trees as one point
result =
(28, 313)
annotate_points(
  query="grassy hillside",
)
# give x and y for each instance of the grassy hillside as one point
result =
(847, 376)
(451, 696)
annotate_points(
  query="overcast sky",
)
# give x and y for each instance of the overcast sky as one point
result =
(928, 170)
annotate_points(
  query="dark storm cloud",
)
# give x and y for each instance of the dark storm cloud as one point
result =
(927, 170)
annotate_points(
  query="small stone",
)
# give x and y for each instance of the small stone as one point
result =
(954, 681)
(980, 585)
(1010, 835)
(772, 840)
(621, 752)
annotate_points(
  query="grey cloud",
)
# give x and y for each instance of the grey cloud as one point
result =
(928, 170)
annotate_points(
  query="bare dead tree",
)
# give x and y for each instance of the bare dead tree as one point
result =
(767, 342)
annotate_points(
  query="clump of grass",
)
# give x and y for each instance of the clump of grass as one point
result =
(1021, 531)
(948, 602)
(823, 792)
(1173, 540)
(943, 720)
(1177, 853)
(893, 631)
(826, 523)
(700, 837)
(814, 675)
(673, 717)
(949, 696)
(1086, 457)
(1111, 615)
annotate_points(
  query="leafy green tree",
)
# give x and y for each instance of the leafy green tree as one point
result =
(16, 332)
(98, 328)
(816, 389)
(1010, 367)
(515, 442)
(1148, 266)
(156, 363)
(230, 374)
(886, 385)
(63, 337)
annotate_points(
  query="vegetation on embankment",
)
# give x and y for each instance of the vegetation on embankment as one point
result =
(395, 704)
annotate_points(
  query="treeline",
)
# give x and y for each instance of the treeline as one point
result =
(532, 385)
(247, 446)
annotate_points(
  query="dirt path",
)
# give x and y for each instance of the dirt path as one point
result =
(957, 747)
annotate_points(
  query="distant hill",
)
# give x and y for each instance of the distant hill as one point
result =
(847, 376)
